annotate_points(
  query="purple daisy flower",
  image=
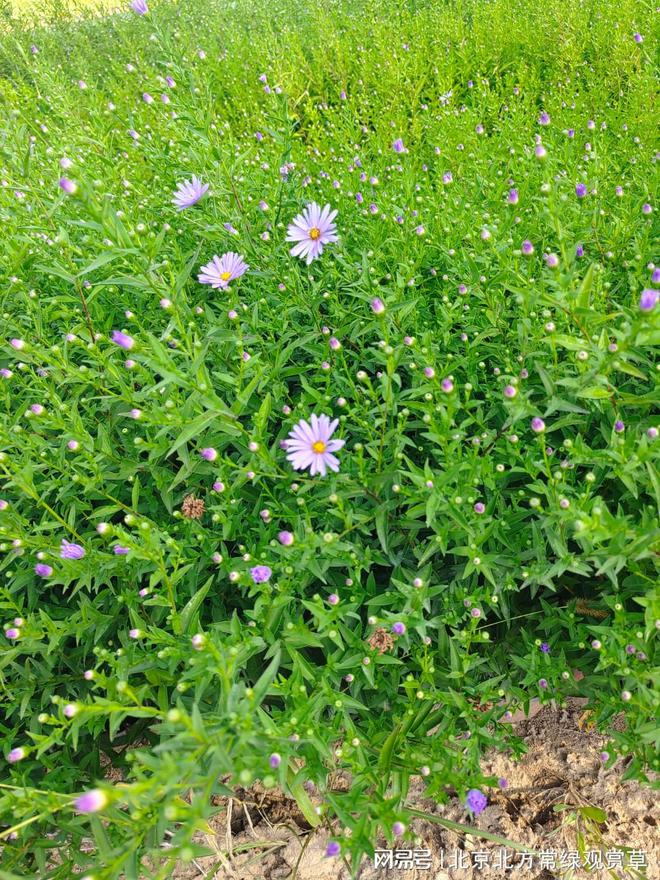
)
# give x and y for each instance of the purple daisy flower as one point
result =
(189, 193)
(260, 574)
(311, 230)
(648, 299)
(140, 7)
(580, 190)
(118, 550)
(476, 801)
(332, 849)
(68, 186)
(123, 340)
(310, 446)
(71, 551)
(91, 801)
(398, 146)
(43, 570)
(221, 270)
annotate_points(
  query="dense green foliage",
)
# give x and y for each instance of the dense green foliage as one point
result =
(521, 563)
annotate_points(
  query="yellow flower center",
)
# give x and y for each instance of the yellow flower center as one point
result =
(314, 233)
(319, 446)
(225, 276)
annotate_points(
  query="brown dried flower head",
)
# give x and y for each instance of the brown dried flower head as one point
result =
(193, 508)
(381, 640)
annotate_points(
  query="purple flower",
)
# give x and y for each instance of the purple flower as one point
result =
(398, 628)
(579, 251)
(12, 633)
(580, 190)
(68, 186)
(398, 146)
(544, 119)
(189, 193)
(221, 270)
(311, 230)
(208, 453)
(527, 248)
(476, 801)
(71, 551)
(377, 305)
(15, 755)
(648, 300)
(118, 550)
(261, 574)
(91, 801)
(274, 761)
(513, 197)
(123, 340)
(619, 426)
(140, 7)
(543, 684)
(285, 538)
(398, 829)
(43, 570)
(332, 849)
(310, 446)
(538, 425)
(480, 507)
(638, 38)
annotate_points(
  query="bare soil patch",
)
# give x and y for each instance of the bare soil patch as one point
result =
(265, 837)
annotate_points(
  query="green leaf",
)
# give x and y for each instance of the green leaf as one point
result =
(594, 392)
(190, 609)
(267, 677)
(585, 288)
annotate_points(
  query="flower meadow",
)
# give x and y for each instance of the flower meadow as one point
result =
(329, 411)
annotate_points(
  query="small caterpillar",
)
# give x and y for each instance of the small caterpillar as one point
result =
(582, 608)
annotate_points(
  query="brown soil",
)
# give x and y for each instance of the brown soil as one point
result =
(263, 836)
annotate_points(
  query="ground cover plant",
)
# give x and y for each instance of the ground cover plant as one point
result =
(329, 427)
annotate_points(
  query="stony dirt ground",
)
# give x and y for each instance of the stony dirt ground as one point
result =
(265, 837)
